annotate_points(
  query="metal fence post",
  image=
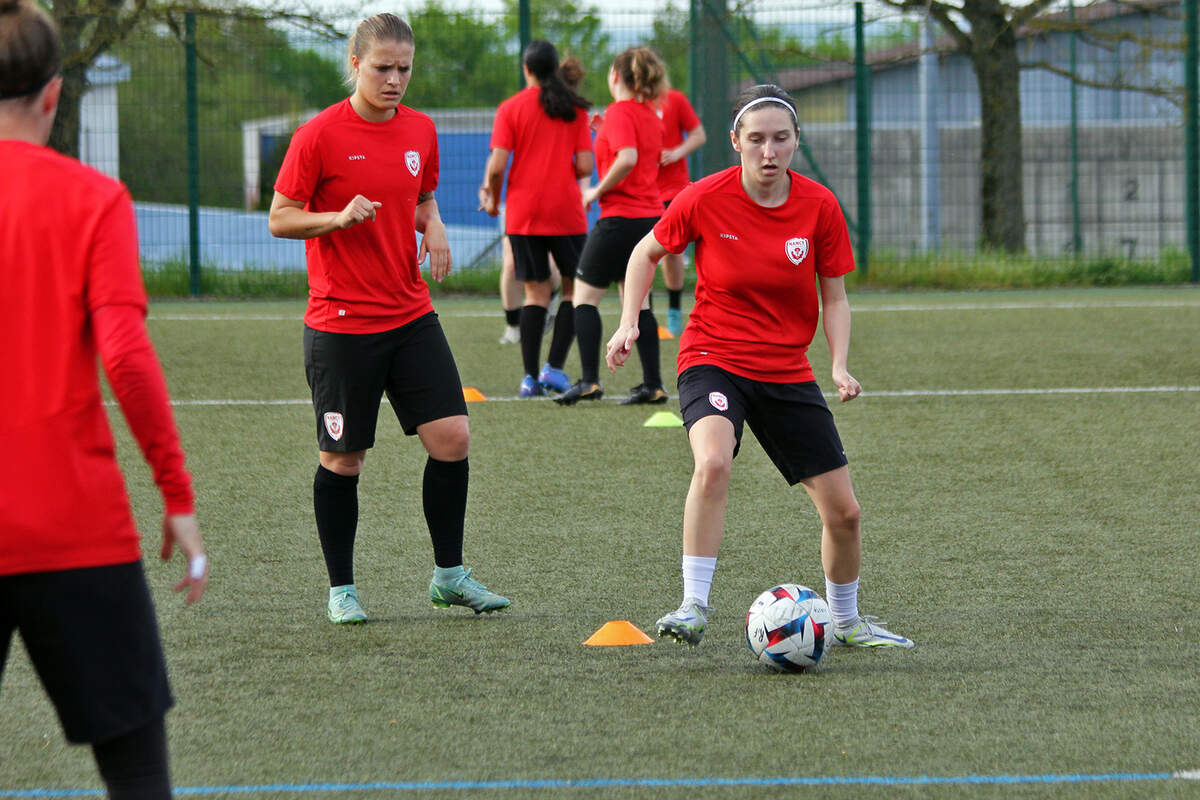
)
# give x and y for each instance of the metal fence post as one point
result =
(524, 33)
(709, 78)
(862, 128)
(1076, 230)
(193, 154)
(1191, 147)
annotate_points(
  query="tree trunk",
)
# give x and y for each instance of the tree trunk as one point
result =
(64, 136)
(997, 70)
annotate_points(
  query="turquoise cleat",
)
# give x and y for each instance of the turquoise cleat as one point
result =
(344, 608)
(467, 591)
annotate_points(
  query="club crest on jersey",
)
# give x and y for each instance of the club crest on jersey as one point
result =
(412, 160)
(334, 425)
(718, 400)
(796, 249)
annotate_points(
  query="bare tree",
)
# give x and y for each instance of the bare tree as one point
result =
(90, 28)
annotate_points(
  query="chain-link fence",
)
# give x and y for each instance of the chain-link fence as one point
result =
(1098, 167)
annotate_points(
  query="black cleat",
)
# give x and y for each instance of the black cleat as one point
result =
(580, 390)
(644, 394)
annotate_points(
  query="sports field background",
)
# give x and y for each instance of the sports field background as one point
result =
(1027, 466)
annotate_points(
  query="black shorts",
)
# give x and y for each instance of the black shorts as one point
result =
(530, 262)
(790, 420)
(349, 373)
(609, 245)
(93, 640)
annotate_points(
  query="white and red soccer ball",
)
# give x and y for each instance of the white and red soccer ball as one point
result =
(789, 627)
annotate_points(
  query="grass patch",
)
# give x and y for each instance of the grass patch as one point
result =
(942, 270)
(1039, 548)
(994, 270)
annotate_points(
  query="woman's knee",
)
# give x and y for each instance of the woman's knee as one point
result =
(447, 439)
(712, 470)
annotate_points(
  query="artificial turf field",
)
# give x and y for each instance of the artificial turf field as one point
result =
(1027, 467)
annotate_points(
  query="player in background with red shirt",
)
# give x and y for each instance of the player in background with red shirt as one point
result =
(356, 181)
(545, 128)
(765, 236)
(71, 578)
(628, 148)
(682, 135)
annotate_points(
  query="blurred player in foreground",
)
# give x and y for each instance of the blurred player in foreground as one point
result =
(355, 182)
(765, 237)
(71, 578)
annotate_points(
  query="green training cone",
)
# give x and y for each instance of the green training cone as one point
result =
(662, 419)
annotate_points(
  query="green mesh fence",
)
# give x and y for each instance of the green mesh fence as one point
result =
(1100, 165)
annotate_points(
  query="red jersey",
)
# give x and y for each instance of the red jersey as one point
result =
(543, 196)
(756, 296)
(678, 117)
(364, 279)
(629, 123)
(71, 276)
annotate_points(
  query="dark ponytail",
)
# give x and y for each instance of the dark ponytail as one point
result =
(558, 100)
(30, 53)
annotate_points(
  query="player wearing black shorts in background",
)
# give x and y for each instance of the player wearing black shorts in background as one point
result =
(356, 180)
(545, 128)
(628, 148)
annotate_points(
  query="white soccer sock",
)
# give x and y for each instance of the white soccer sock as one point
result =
(843, 600)
(698, 577)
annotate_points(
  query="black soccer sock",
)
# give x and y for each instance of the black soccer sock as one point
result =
(134, 765)
(335, 501)
(512, 316)
(674, 298)
(564, 334)
(588, 329)
(647, 347)
(533, 323)
(444, 495)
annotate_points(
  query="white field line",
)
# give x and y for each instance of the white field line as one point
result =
(866, 395)
(856, 309)
(1187, 775)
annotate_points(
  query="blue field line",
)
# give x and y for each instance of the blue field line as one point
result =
(641, 783)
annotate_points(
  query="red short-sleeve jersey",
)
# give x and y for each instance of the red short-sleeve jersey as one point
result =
(364, 279)
(68, 248)
(543, 197)
(678, 117)
(756, 296)
(630, 123)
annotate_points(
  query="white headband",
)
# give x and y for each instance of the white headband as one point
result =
(753, 103)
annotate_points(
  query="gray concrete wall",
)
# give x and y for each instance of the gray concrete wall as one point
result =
(1131, 200)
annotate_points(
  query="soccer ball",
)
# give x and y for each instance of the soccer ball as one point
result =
(789, 627)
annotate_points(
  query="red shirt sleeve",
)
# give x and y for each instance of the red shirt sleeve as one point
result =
(502, 128)
(141, 390)
(675, 229)
(620, 127)
(835, 255)
(429, 176)
(688, 121)
(116, 302)
(301, 168)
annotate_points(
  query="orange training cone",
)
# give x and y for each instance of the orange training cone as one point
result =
(663, 333)
(473, 395)
(617, 633)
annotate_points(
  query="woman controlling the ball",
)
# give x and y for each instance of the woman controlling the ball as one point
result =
(765, 237)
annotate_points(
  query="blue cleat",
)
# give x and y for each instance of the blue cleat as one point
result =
(553, 380)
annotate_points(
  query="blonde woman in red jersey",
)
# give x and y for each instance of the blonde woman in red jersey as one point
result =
(545, 128)
(765, 237)
(628, 148)
(682, 135)
(71, 577)
(356, 181)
